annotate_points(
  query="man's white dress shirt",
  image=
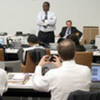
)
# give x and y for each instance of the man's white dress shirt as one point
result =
(31, 48)
(50, 22)
(61, 81)
(3, 81)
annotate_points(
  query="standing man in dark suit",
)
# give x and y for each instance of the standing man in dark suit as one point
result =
(69, 30)
(46, 22)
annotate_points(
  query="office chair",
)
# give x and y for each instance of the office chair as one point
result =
(84, 58)
(1, 98)
(2, 55)
(11, 66)
(30, 62)
(2, 65)
(84, 95)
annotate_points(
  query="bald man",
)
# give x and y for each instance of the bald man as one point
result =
(66, 78)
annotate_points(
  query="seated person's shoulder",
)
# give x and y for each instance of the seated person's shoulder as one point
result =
(64, 27)
(83, 68)
(2, 73)
(26, 49)
(73, 27)
(41, 47)
(33, 48)
(80, 48)
(52, 72)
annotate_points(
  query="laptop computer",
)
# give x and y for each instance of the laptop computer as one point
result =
(95, 76)
(1, 41)
(16, 45)
(95, 72)
(53, 46)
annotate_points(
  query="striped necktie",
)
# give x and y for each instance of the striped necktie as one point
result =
(45, 18)
(68, 31)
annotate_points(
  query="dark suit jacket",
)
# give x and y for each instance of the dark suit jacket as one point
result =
(73, 31)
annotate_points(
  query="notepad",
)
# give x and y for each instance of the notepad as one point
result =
(18, 78)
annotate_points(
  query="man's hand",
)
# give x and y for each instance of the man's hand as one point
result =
(44, 60)
(43, 20)
(58, 36)
(56, 61)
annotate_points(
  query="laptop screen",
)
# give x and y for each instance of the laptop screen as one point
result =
(95, 72)
(1, 41)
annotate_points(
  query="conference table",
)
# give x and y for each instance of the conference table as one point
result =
(24, 90)
(14, 51)
(12, 54)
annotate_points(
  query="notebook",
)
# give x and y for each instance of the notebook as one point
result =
(18, 77)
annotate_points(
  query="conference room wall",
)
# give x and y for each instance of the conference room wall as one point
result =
(20, 15)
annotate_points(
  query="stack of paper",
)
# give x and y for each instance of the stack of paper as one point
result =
(18, 78)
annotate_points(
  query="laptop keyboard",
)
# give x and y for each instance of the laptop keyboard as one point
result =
(95, 85)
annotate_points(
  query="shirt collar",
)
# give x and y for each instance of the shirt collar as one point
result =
(68, 63)
(47, 12)
(36, 45)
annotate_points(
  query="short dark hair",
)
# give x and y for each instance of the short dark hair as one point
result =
(47, 3)
(66, 49)
(69, 21)
(33, 39)
(74, 38)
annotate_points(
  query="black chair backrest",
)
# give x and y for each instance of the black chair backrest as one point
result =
(37, 54)
(84, 95)
(1, 98)
(20, 55)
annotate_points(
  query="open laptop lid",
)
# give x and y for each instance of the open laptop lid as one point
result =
(95, 73)
(1, 41)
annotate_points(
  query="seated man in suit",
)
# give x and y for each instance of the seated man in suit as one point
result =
(69, 29)
(66, 78)
(3, 82)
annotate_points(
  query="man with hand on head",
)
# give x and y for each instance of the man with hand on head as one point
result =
(46, 21)
(66, 78)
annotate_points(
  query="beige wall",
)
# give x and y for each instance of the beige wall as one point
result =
(20, 15)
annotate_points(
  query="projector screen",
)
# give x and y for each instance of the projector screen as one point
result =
(20, 15)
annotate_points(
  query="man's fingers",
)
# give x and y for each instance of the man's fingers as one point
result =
(56, 56)
(47, 62)
(53, 63)
(55, 59)
(46, 57)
